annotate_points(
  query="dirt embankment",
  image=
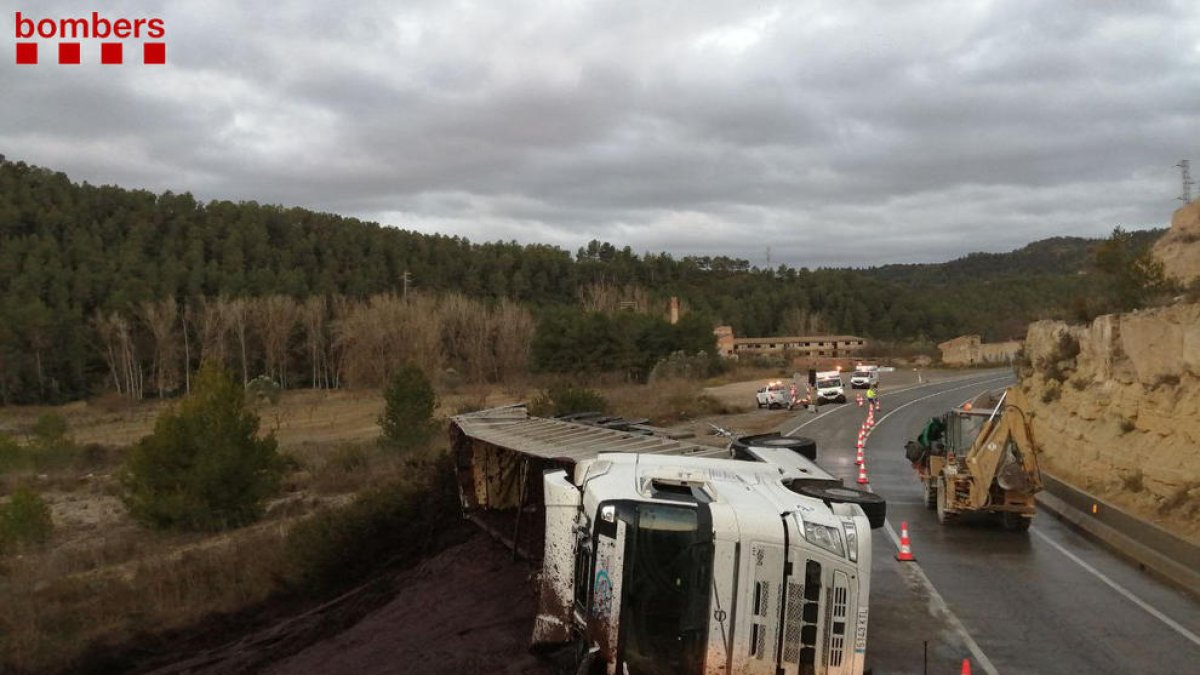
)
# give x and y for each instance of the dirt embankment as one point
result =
(1179, 248)
(1117, 409)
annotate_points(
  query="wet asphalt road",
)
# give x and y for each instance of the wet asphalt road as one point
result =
(1048, 601)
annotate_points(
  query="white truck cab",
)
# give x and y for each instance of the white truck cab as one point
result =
(689, 566)
(829, 387)
(865, 376)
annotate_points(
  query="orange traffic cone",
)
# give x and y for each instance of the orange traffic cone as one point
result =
(859, 399)
(858, 459)
(862, 473)
(905, 554)
(966, 668)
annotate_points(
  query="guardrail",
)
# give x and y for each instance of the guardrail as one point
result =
(1149, 546)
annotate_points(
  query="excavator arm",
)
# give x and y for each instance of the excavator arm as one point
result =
(1004, 451)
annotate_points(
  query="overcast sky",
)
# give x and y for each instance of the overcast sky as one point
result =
(836, 133)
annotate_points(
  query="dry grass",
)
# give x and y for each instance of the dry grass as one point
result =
(50, 617)
(102, 579)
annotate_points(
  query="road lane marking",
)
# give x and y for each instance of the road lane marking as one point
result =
(1150, 609)
(940, 604)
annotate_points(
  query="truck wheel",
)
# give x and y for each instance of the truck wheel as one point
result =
(805, 447)
(944, 517)
(1015, 522)
(931, 494)
(872, 504)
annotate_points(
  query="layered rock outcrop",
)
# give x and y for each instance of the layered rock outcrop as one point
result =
(1117, 409)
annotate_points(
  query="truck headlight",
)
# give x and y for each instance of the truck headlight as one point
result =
(828, 538)
(851, 538)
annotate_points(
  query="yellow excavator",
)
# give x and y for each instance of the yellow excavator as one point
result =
(980, 458)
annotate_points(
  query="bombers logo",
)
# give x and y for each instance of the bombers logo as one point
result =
(112, 32)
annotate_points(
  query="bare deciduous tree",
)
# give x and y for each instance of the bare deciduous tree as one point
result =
(120, 351)
(275, 318)
(159, 319)
(235, 314)
(314, 314)
(514, 328)
(213, 331)
(374, 338)
(607, 297)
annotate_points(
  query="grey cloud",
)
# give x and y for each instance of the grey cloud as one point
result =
(836, 133)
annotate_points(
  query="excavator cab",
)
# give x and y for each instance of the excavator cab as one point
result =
(962, 428)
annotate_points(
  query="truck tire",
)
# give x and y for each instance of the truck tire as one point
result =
(1015, 522)
(944, 517)
(872, 504)
(931, 494)
(805, 447)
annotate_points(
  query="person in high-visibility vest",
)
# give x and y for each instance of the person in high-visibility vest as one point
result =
(871, 400)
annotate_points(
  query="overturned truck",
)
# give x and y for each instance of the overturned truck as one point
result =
(663, 556)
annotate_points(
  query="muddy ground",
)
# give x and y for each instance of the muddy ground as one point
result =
(468, 609)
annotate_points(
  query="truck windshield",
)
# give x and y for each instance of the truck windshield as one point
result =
(825, 384)
(668, 573)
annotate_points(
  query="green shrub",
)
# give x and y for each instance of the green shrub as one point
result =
(24, 519)
(49, 429)
(204, 467)
(409, 401)
(565, 398)
(51, 448)
(397, 522)
(12, 455)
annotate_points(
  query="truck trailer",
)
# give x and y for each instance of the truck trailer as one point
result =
(662, 556)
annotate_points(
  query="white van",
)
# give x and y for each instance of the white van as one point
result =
(830, 388)
(865, 376)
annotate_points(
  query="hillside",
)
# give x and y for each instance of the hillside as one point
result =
(71, 254)
(1052, 257)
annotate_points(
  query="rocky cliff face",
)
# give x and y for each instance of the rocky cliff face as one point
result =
(1117, 408)
(1179, 248)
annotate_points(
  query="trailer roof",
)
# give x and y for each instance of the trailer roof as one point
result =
(512, 427)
